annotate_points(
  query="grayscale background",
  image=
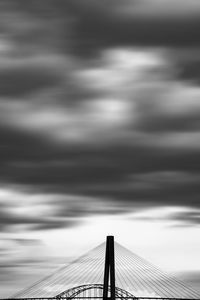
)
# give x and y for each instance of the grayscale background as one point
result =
(99, 133)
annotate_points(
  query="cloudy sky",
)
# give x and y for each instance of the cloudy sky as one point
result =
(99, 133)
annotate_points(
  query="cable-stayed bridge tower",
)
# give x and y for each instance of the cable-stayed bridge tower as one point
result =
(108, 271)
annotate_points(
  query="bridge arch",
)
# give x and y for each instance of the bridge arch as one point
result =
(94, 290)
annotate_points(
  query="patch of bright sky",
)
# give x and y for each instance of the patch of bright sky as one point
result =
(170, 248)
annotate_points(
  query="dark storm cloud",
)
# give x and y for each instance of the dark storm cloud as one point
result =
(187, 61)
(33, 208)
(19, 77)
(108, 127)
(133, 176)
(190, 71)
(136, 32)
(86, 27)
(18, 147)
(108, 172)
(33, 27)
(101, 25)
(9, 221)
(188, 218)
(20, 210)
(157, 120)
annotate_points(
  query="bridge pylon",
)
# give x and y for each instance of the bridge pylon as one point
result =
(109, 270)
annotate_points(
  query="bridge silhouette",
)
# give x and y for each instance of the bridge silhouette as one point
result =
(109, 271)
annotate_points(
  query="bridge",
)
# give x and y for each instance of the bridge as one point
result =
(109, 271)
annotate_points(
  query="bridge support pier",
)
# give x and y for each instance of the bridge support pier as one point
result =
(109, 271)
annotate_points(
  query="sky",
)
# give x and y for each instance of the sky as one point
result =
(99, 133)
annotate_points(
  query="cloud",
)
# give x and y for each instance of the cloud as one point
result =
(33, 27)
(28, 210)
(186, 60)
(158, 9)
(187, 218)
(82, 28)
(129, 23)
(174, 216)
(125, 89)
(99, 126)
(20, 76)
(125, 122)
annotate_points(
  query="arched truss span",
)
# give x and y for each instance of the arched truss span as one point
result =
(92, 290)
